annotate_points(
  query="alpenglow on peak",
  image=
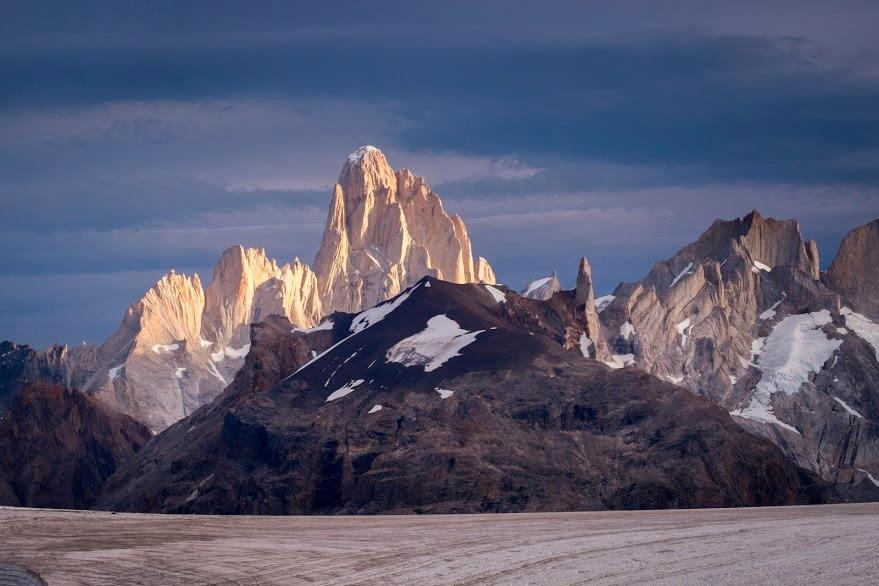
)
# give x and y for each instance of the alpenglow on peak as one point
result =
(385, 230)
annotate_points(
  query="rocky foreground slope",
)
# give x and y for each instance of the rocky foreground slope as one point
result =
(181, 344)
(57, 447)
(743, 317)
(449, 398)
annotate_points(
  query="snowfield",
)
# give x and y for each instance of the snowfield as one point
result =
(832, 544)
(795, 349)
(432, 347)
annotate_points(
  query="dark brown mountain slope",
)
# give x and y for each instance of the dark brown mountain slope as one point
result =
(444, 400)
(57, 447)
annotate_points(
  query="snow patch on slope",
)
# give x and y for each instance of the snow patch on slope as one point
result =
(585, 344)
(327, 325)
(684, 328)
(769, 313)
(863, 327)
(602, 302)
(216, 372)
(345, 390)
(498, 295)
(869, 477)
(621, 360)
(231, 353)
(113, 373)
(372, 316)
(626, 330)
(159, 348)
(847, 408)
(759, 266)
(432, 347)
(687, 271)
(535, 285)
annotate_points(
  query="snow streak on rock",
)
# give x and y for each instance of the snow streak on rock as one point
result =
(498, 295)
(345, 390)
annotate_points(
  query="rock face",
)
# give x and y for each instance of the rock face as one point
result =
(179, 346)
(248, 286)
(384, 231)
(742, 317)
(854, 272)
(449, 398)
(57, 447)
(21, 364)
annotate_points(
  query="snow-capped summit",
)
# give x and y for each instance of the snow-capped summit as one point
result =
(358, 155)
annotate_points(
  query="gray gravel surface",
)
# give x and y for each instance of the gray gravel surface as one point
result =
(836, 544)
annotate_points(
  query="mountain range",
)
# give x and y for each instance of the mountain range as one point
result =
(394, 374)
(181, 344)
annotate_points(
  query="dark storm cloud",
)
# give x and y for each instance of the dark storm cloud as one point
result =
(744, 106)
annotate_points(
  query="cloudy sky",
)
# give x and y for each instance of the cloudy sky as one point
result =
(136, 137)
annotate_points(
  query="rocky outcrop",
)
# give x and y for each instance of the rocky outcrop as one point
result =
(854, 272)
(742, 317)
(384, 231)
(445, 399)
(58, 446)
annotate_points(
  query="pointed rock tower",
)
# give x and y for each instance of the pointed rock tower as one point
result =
(584, 308)
(384, 231)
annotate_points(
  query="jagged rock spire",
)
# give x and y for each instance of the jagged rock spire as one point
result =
(584, 299)
(384, 231)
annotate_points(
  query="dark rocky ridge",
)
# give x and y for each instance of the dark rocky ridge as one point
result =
(57, 447)
(20, 364)
(530, 426)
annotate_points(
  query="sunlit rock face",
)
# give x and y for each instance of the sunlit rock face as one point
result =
(742, 317)
(385, 230)
(179, 346)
